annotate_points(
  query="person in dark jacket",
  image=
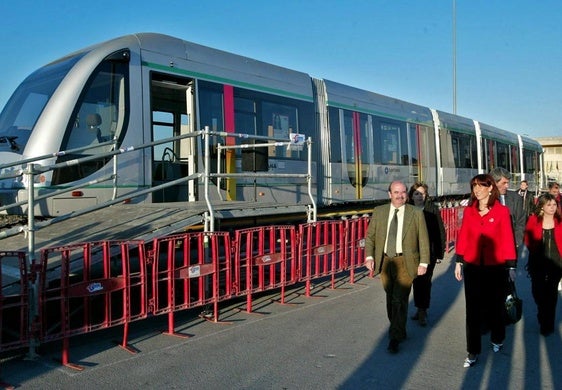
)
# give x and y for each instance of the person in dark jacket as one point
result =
(527, 196)
(543, 238)
(513, 202)
(418, 196)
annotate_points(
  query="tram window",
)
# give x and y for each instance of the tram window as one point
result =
(99, 116)
(390, 144)
(412, 156)
(210, 107)
(347, 136)
(490, 154)
(163, 127)
(335, 139)
(502, 155)
(459, 151)
(28, 101)
(279, 120)
(515, 167)
(427, 147)
(529, 161)
(211, 111)
(245, 116)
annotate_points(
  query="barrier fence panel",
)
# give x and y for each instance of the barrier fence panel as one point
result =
(447, 216)
(321, 250)
(452, 220)
(356, 231)
(457, 221)
(91, 286)
(190, 270)
(265, 259)
(14, 301)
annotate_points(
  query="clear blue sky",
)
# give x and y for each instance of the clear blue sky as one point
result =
(509, 54)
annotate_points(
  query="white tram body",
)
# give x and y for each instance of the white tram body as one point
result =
(146, 87)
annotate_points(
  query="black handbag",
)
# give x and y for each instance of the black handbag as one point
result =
(513, 305)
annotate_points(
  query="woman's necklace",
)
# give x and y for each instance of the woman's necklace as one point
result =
(548, 223)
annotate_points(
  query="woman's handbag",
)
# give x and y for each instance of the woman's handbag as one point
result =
(513, 305)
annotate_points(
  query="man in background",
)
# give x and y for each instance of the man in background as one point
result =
(528, 197)
(554, 189)
(513, 202)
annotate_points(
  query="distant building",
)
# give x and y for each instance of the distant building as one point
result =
(552, 157)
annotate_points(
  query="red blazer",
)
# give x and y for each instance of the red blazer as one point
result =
(533, 235)
(486, 240)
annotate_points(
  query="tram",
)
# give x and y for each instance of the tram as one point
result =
(142, 88)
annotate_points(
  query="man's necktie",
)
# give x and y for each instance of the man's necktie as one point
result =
(502, 199)
(392, 233)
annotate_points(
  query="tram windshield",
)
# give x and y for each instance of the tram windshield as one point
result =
(28, 101)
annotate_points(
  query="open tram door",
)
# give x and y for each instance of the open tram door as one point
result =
(172, 111)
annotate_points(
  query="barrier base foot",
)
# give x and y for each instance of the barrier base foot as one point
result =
(314, 296)
(251, 312)
(73, 366)
(177, 334)
(214, 320)
(285, 303)
(128, 348)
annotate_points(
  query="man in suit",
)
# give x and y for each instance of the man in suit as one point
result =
(513, 202)
(400, 259)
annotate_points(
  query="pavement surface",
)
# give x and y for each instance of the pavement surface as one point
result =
(334, 340)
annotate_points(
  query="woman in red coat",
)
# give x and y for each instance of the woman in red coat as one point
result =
(485, 250)
(543, 238)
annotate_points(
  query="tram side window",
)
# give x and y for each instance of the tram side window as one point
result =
(412, 157)
(502, 151)
(458, 150)
(390, 142)
(100, 115)
(347, 136)
(515, 167)
(427, 146)
(464, 150)
(280, 120)
(273, 116)
(210, 97)
(335, 139)
(530, 161)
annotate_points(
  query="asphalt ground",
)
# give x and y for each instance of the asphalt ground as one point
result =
(335, 340)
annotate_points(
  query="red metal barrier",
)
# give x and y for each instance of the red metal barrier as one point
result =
(14, 301)
(91, 286)
(452, 219)
(356, 231)
(271, 252)
(190, 270)
(322, 250)
(447, 216)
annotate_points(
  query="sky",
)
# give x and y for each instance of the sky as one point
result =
(507, 54)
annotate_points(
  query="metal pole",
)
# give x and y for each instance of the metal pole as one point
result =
(454, 57)
(210, 216)
(33, 295)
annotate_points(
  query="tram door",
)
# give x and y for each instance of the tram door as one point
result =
(172, 108)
